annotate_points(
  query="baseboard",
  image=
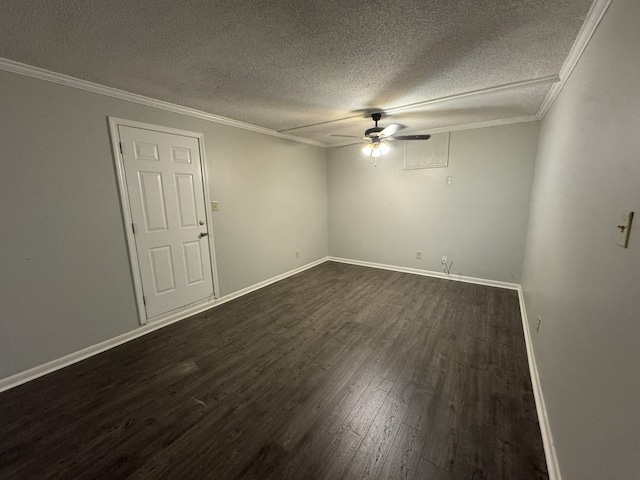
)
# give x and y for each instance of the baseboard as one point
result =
(545, 429)
(428, 273)
(53, 365)
(277, 278)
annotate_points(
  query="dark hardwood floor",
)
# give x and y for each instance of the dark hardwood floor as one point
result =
(338, 372)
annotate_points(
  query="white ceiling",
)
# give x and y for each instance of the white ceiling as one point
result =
(310, 68)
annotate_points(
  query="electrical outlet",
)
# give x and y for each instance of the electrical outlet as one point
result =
(419, 255)
(538, 325)
(297, 254)
(444, 259)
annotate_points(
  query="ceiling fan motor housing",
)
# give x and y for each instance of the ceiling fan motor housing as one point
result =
(373, 132)
(378, 135)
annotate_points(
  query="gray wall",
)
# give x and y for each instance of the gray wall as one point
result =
(387, 214)
(66, 281)
(584, 287)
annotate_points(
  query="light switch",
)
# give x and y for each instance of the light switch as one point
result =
(214, 206)
(449, 180)
(624, 228)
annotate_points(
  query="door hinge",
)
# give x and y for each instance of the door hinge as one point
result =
(121, 152)
(133, 227)
(144, 300)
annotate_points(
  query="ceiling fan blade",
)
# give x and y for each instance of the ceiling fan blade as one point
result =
(344, 136)
(413, 137)
(391, 129)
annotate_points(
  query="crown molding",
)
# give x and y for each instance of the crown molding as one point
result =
(597, 11)
(465, 126)
(483, 91)
(486, 124)
(550, 79)
(73, 82)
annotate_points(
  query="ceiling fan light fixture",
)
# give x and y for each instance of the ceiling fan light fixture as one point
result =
(376, 149)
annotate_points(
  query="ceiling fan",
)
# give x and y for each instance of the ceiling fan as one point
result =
(376, 138)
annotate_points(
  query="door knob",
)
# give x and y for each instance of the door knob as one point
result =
(203, 234)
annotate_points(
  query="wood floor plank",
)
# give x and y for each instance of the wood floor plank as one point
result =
(340, 371)
(320, 398)
(337, 457)
(368, 460)
(304, 459)
(428, 471)
(405, 455)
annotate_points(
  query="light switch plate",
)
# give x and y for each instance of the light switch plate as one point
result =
(214, 206)
(624, 228)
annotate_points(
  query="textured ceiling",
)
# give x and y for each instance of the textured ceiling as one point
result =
(294, 65)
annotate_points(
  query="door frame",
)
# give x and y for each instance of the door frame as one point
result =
(134, 263)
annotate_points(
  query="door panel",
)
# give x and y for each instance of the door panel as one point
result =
(162, 269)
(152, 198)
(181, 155)
(166, 199)
(186, 201)
(146, 151)
(193, 262)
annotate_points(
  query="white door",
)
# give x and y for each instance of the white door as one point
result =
(166, 199)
